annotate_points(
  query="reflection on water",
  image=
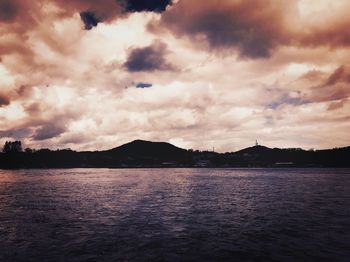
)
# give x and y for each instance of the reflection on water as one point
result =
(175, 215)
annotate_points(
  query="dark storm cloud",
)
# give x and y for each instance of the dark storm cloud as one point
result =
(20, 14)
(143, 85)
(145, 5)
(89, 19)
(8, 10)
(4, 101)
(16, 133)
(222, 29)
(254, 28)
(48, 131)
(92, 12)
(29, 13)
(149, 58)
(107, 10)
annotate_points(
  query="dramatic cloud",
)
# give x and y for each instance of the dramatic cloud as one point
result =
(341, 74)
(90, 20)
(332, 88)
(221, 71)
(25, 15)
(48, 131)
(16, 133)
(327, 28)
(7, 10)
(288, 99)
(145, 5)
(335, 87)
(255, 28)
(143, 85)
(92, 12)
(149, 58)
(4, 101)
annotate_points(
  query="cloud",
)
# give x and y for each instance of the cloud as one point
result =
(287, 99)
(330, 31)
(149, 58)
(16, 133)
(27, 14)
(341, 74)
(143, 85)
(4, 101)
(48, 131)
(76, 138)
(336, 105)
(90, 20)
(335, 76)
(145, 5)
(92, 12)
(336, 86)
(254, 28)
(8, 10)
(312, 75)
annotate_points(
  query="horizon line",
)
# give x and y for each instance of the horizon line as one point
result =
(188, 149)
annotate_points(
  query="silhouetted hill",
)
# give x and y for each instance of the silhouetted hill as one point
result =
(264, 156)
(140, 153)
(255, 150)
(141, 148)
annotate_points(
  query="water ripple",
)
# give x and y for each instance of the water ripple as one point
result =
(175, 215)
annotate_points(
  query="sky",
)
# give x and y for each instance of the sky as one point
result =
(92, 75)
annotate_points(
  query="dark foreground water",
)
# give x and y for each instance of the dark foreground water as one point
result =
(175, 215)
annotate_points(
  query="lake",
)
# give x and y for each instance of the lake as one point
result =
(175, 215)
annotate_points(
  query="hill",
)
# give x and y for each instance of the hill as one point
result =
(142, 148)
(140, 153)
(258, 149)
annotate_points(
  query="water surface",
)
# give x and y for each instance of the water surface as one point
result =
(175, 215)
